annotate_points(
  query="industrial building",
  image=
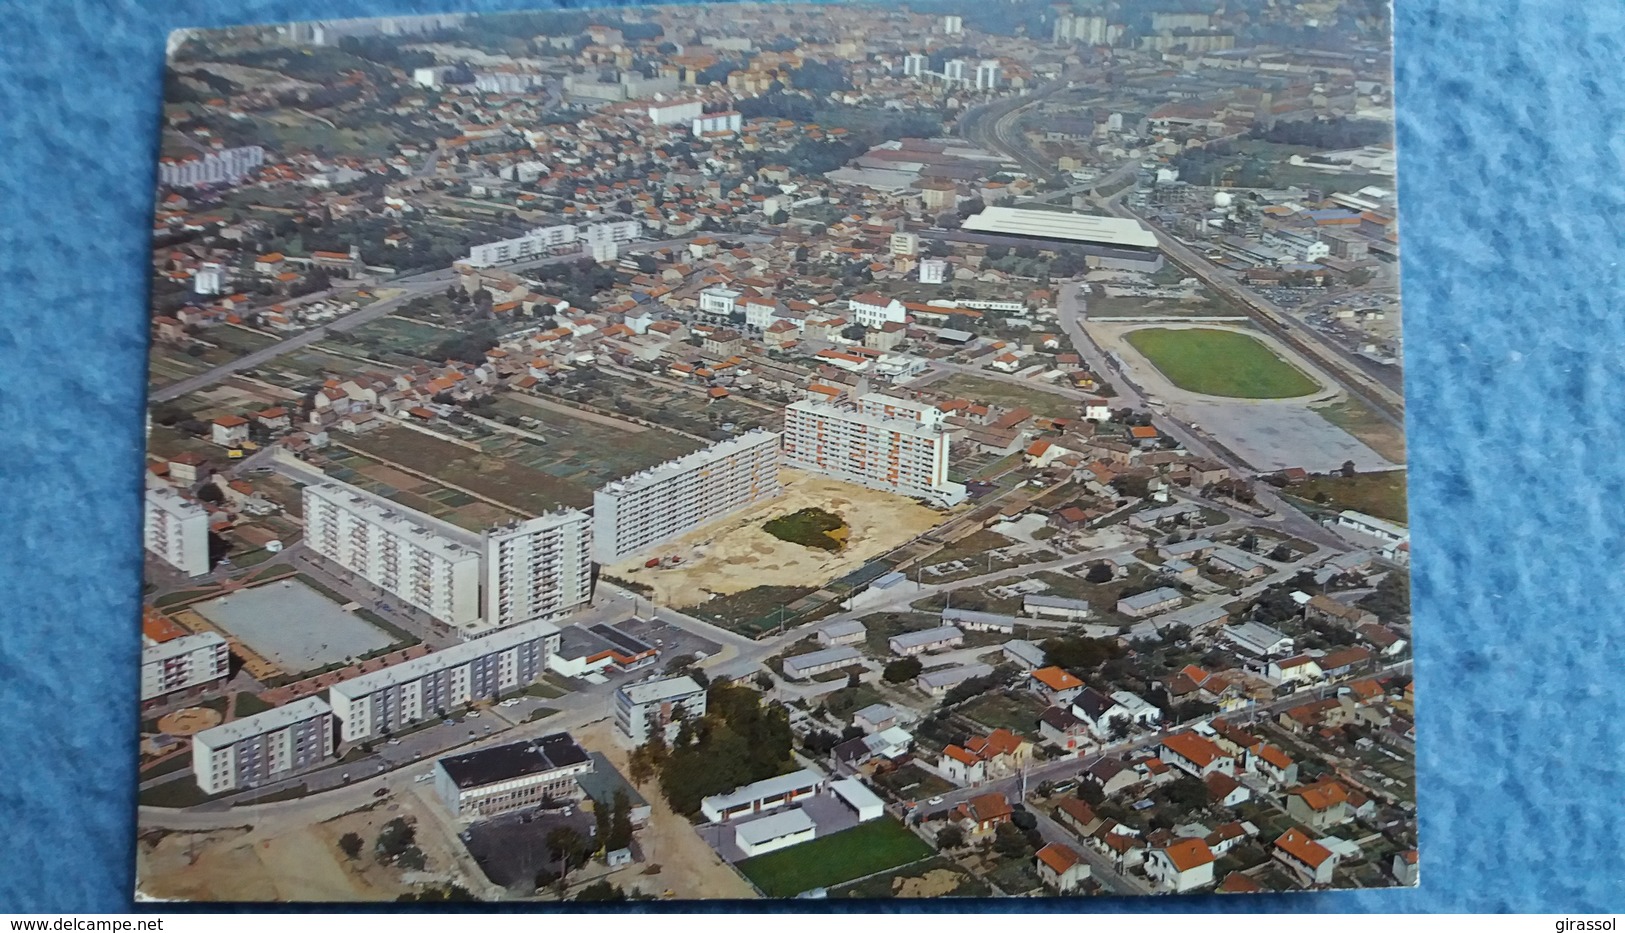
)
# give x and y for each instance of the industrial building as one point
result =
(402, 551)
(887, 444)
(176, 530)
(1116, 242)
(190, 664)
(656, 705)
(264, 747)
(642, 511)
(490, 781)
(409, 692)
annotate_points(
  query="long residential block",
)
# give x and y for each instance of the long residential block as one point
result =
(412, 691)
(644, 510)
(885, 444)
(264, 747)
(396, 549)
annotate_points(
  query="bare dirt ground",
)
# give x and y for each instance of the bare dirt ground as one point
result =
(688, 867)
(271, 862)
(735, 554)
(934, 883)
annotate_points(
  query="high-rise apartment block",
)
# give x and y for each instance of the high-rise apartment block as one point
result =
(987, 75)
(483, 668)
(396, 549)
(538, 569)
(264, 747)
(885, 443)
(176, 529)
(640, 512)
(914, 65)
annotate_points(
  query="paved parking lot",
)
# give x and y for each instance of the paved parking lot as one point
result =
(671, 641)
(511, 849)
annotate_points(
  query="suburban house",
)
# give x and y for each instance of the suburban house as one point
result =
(1272, 764)
(229, 431)
(1404, 867)
(876, 717)
(984, 813)
(1061, 868)
(1296, 669)
(1055, 685)
(962, 766)
(1077, 816)
(1308, 860)
(1057, 725)
(1324, 804)
(1194, 755)
(1150, 602)
(1101, 714)
(1181, 866)
(1326, 609)
(1225, 790)
(1111, 776)
(842, 633)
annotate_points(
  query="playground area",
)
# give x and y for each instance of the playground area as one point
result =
(189, 721)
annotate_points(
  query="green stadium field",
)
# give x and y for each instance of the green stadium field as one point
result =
(875, 846)
(1220, 362)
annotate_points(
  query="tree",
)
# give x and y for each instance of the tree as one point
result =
(351, 844)
(1099, 573)
(1187, 793)
(902, 670)
(600, 826)
(620, 823)
(1249, 542)
(569, 851)
(396, 837)
(1010, 842)
(854, 681)
(763, 681)
(1120, 728)
(1090, 793)
(1347, 469)
(950, 837)
(601, 891)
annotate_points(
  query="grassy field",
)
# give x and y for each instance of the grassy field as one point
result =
(1008, 394)
(1017, 713)
(1379, 494)
(937, 877)
(1220, 362)
(1370, 428)
(866, 849)
(511, 484)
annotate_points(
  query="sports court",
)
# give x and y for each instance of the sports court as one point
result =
(293, 626)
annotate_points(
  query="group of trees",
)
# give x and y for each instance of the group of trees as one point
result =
(613, 823)
(740, 739)
(902, 670)
(1079, 653)
(1326, 133)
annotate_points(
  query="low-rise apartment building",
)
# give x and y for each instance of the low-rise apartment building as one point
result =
(643, 709)
(190, 664)
(264, 747)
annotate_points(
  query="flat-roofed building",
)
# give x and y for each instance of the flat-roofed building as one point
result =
(1056, 607)
(849, 632)
(176, 530)
(774, 832)
(767, 794)
(656, 706)
(1150, 602)
(187, 665)
(931, 639)
(409, 692)
(938, 681)
(860, 798)
(1063, 226)
(900, 452)
(540, 568)
(419, 559)
(640, 512)
(807, 665)
(263, 747)
(491, 781)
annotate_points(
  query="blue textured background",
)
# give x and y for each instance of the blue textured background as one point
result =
(1512, 190)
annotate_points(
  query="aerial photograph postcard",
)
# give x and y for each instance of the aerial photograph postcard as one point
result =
(800, 451)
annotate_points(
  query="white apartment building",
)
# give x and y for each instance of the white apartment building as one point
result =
(538, 569)
(176, 529)
(719, 302)
(873, 310)
(675, 111)
(395, 697)
(728, 121)
(611, 231)
(227, 166)
(954, 71)
(933, 271)
(888, 444)
(953, 25)
(427, 563)
(641, 709)
(189, 663)
(264, 747)
(905, 243)
(641, 511)
(914, 65)
(541, 241)
(210, 279)
(987, 75)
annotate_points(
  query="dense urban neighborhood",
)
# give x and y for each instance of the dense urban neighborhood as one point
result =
(786, 451)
